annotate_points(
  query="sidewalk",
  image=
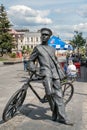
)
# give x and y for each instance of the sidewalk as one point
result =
(35, 115)
(1, 63)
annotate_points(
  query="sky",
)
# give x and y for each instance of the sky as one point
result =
(63, 17)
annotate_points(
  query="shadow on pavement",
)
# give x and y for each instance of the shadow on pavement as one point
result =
(35, 112)
(1, 122)
(83, 94)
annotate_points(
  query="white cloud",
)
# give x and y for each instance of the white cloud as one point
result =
(26, 16)
(66, 15)
(67, 31)
(23, 15)
(81, 27)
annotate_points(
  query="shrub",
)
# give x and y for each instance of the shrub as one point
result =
(13, 55)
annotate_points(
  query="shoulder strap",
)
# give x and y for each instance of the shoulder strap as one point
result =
(47, 52)
(49, 55)
(58, 68)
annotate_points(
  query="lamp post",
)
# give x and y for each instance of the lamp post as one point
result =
(86, 49)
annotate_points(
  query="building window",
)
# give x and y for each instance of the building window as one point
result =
(31, 39)
(31, 46)
(36, 39)
(27, 39)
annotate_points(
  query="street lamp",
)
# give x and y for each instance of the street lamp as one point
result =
(86, 49)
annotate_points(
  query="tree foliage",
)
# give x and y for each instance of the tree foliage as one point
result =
(78, 40)
(6, 39)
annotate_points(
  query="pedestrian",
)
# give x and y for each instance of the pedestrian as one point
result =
(70, 57)
(25, 60)
(71, 70)
(65, 68)
(48, 68)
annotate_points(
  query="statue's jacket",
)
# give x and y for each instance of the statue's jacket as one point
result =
(48, 61)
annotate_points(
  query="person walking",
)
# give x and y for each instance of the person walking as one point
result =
(48, 68)
(25, 60)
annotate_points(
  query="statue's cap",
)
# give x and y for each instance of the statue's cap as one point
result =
(46, 29)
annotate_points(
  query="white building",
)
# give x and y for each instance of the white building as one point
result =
(29, 40)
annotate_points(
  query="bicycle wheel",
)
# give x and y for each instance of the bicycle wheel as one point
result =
(68, 90)
(13, 104)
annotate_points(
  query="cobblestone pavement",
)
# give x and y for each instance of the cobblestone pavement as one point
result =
(34, 115)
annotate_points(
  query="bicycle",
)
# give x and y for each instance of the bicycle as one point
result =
(17, 99)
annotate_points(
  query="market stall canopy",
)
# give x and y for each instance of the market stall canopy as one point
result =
(58, 44)
(68, 47)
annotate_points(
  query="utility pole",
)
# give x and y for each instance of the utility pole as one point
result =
(86, 48)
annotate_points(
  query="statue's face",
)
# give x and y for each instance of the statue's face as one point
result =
(45, 35)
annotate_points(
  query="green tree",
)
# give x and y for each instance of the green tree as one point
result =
(78, 40)
(6, 39)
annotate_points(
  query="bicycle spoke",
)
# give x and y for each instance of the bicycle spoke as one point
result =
(11, 111)
(65, 100)
(18, 99)
(67, 89)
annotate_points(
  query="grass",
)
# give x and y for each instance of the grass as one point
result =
(2, 59)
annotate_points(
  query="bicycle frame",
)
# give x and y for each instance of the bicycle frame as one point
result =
(28, 84)
(39, 78)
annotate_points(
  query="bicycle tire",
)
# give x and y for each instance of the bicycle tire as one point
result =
(14, 104)
(68, 90)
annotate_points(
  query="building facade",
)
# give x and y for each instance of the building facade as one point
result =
(24, 39)
(29, 40)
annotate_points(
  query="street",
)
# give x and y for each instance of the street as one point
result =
(35, 115)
